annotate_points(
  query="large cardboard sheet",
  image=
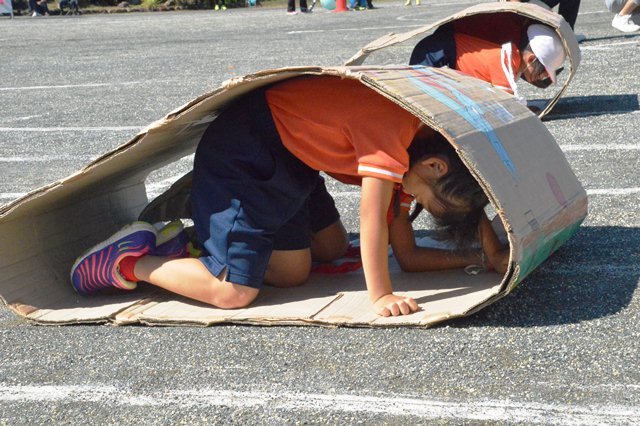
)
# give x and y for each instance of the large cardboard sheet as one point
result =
(539, 201)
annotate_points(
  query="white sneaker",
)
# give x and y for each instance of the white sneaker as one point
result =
(624, 24)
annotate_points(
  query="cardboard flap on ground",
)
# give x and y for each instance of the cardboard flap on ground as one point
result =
(530, 10)
(514, 157)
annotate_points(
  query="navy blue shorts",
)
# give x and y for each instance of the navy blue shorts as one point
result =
(251, 196)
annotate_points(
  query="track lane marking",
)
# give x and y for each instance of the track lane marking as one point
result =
(396, 405)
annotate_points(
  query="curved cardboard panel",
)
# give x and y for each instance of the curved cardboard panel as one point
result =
(538, 198)
(530, 10)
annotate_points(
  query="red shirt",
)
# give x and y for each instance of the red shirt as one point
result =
(343, 128)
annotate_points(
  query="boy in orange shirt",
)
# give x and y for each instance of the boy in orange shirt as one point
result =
(261, 210)
(497, 48)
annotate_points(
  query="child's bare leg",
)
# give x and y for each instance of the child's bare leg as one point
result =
(291, 268)
(288, 268)
(190, 278)
(330, 243)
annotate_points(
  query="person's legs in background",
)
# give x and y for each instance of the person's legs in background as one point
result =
(626, 11)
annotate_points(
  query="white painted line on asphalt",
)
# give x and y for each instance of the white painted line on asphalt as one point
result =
(608, 46)
(28, 117)
(337, 30)
(73, 86)
(61, 86)
(11, 195)
(595, 12)
(613, 191)
(479, 410)
(70, 129)
(601, 147)
(45, 158)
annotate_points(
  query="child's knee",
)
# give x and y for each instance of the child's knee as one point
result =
(288, 268)
(330, 243)
(233, 296)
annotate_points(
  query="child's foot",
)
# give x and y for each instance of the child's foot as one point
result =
(407, 3)
(624, 23)
(172, 240)
(216, 7)
(97, 268)
(223, 7)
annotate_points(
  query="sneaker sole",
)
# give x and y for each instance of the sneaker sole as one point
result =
(166, 233)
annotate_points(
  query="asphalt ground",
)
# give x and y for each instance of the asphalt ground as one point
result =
(562, 349)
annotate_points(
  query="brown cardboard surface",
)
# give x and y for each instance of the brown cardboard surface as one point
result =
(496, 137)
(533, 10)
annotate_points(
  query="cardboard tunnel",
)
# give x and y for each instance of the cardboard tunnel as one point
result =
(538, 200)
(535, 11)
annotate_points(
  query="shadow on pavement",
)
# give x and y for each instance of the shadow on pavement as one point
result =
(616, 37)
(578, 106)
(585, 280)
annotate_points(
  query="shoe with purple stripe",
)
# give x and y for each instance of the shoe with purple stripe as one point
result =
(172, 240)
(97, 269)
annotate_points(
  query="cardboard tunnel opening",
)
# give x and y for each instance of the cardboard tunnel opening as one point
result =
(495, 136)
(397, 48)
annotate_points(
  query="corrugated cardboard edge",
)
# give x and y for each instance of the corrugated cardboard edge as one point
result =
(530, 10)
(34, 204)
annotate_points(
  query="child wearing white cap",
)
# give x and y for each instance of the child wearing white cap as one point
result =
(547, 47)
(496, 48)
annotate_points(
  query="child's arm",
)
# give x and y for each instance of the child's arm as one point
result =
(413, 258)
(374, 243)
(497, 255)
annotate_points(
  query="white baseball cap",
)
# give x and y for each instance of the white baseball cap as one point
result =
(547, 47)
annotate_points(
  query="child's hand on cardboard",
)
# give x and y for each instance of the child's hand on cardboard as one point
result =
(390, 304)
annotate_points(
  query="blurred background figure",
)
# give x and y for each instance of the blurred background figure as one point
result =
(627, 12)
(38, 7)
(568, 9)
(291, 7)
(72, 6)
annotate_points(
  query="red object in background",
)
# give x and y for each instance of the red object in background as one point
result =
(341, 6)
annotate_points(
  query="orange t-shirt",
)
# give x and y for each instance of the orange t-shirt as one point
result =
(479, 39)
(484, 60)
(342, 127)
